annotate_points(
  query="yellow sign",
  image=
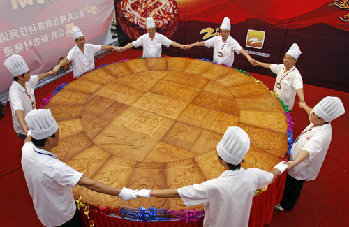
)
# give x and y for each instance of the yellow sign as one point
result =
(255, 39)
(209, 32)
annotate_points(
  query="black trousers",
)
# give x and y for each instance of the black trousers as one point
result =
(22, 136)
(292, 192)
(74, 222)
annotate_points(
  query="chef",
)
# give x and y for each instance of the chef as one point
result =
(228, 198)
(21, 92)
(288, 81)
(49, 180)
(310, 149)
(224, 46)
(151, 41)
(82, 55)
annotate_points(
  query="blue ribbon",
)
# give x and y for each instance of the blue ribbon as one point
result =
(204, 59)
(289, 140)
(143, 214)
(102, 66)
(58, 88)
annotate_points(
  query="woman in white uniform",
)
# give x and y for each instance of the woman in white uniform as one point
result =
(82, 54)
(224, 46)
(288, 81)
(228, 198)
(310, 149)
(21, 92)
(151, 42)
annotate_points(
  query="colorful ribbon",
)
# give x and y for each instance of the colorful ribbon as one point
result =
(45, 101)
(143, 214)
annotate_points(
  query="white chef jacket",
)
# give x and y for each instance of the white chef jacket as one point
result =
(50, 183)
(152, 48)
(316, 141)
(83, 62)
(228, 198)
(227, 48)
(21, 99)
(290, 82)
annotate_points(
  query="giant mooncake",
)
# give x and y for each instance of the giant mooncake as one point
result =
(155, 123)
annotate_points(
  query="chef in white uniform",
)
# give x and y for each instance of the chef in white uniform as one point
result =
(49, 180)
(151, 41)
(21, 92)
(310, 149)
(224, 46)
(82, 55)
(288, 81)
(227, 198)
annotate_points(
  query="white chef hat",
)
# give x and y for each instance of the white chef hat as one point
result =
(234, 145)
(76, 32)
(16, 65)
(294, 51)
(150, 23)
(41, 123)
(226, 23)
(329, 108)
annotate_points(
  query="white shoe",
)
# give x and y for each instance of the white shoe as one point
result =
(278, 207)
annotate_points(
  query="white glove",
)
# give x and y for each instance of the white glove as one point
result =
(281, 166)
(143, 193)
(128, 194)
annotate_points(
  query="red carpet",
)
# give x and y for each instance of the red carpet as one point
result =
(323, 202)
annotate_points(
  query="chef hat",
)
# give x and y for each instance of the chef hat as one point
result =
(16, 65)
(76, 32)
(234, 145)
(226, 23)
(294, 51)
(329, 108)
(41, 123)
(150, 23)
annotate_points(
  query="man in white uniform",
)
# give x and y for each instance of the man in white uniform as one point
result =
(224, 46)
(82, 54)
(310, 149)
(50, 181)
(21, 92)
(228, 198)
(288, 81)
(151, 41)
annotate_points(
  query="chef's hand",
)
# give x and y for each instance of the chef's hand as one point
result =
(302, 104)
(252, 61)
(127, 194)
(257, 63)
(186, 47)
(143, 193)
(119, 49)
(281, 166)
(29, 138)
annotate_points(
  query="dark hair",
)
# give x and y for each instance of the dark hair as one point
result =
(231, 166)
(42, 142)
(16, 77)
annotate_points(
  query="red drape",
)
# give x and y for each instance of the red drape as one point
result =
(261, 212)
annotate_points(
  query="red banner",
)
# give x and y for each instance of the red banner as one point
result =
(281, 13)
(40, 30)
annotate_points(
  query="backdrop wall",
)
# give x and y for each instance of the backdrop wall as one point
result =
(40, 30)
(265, 28)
